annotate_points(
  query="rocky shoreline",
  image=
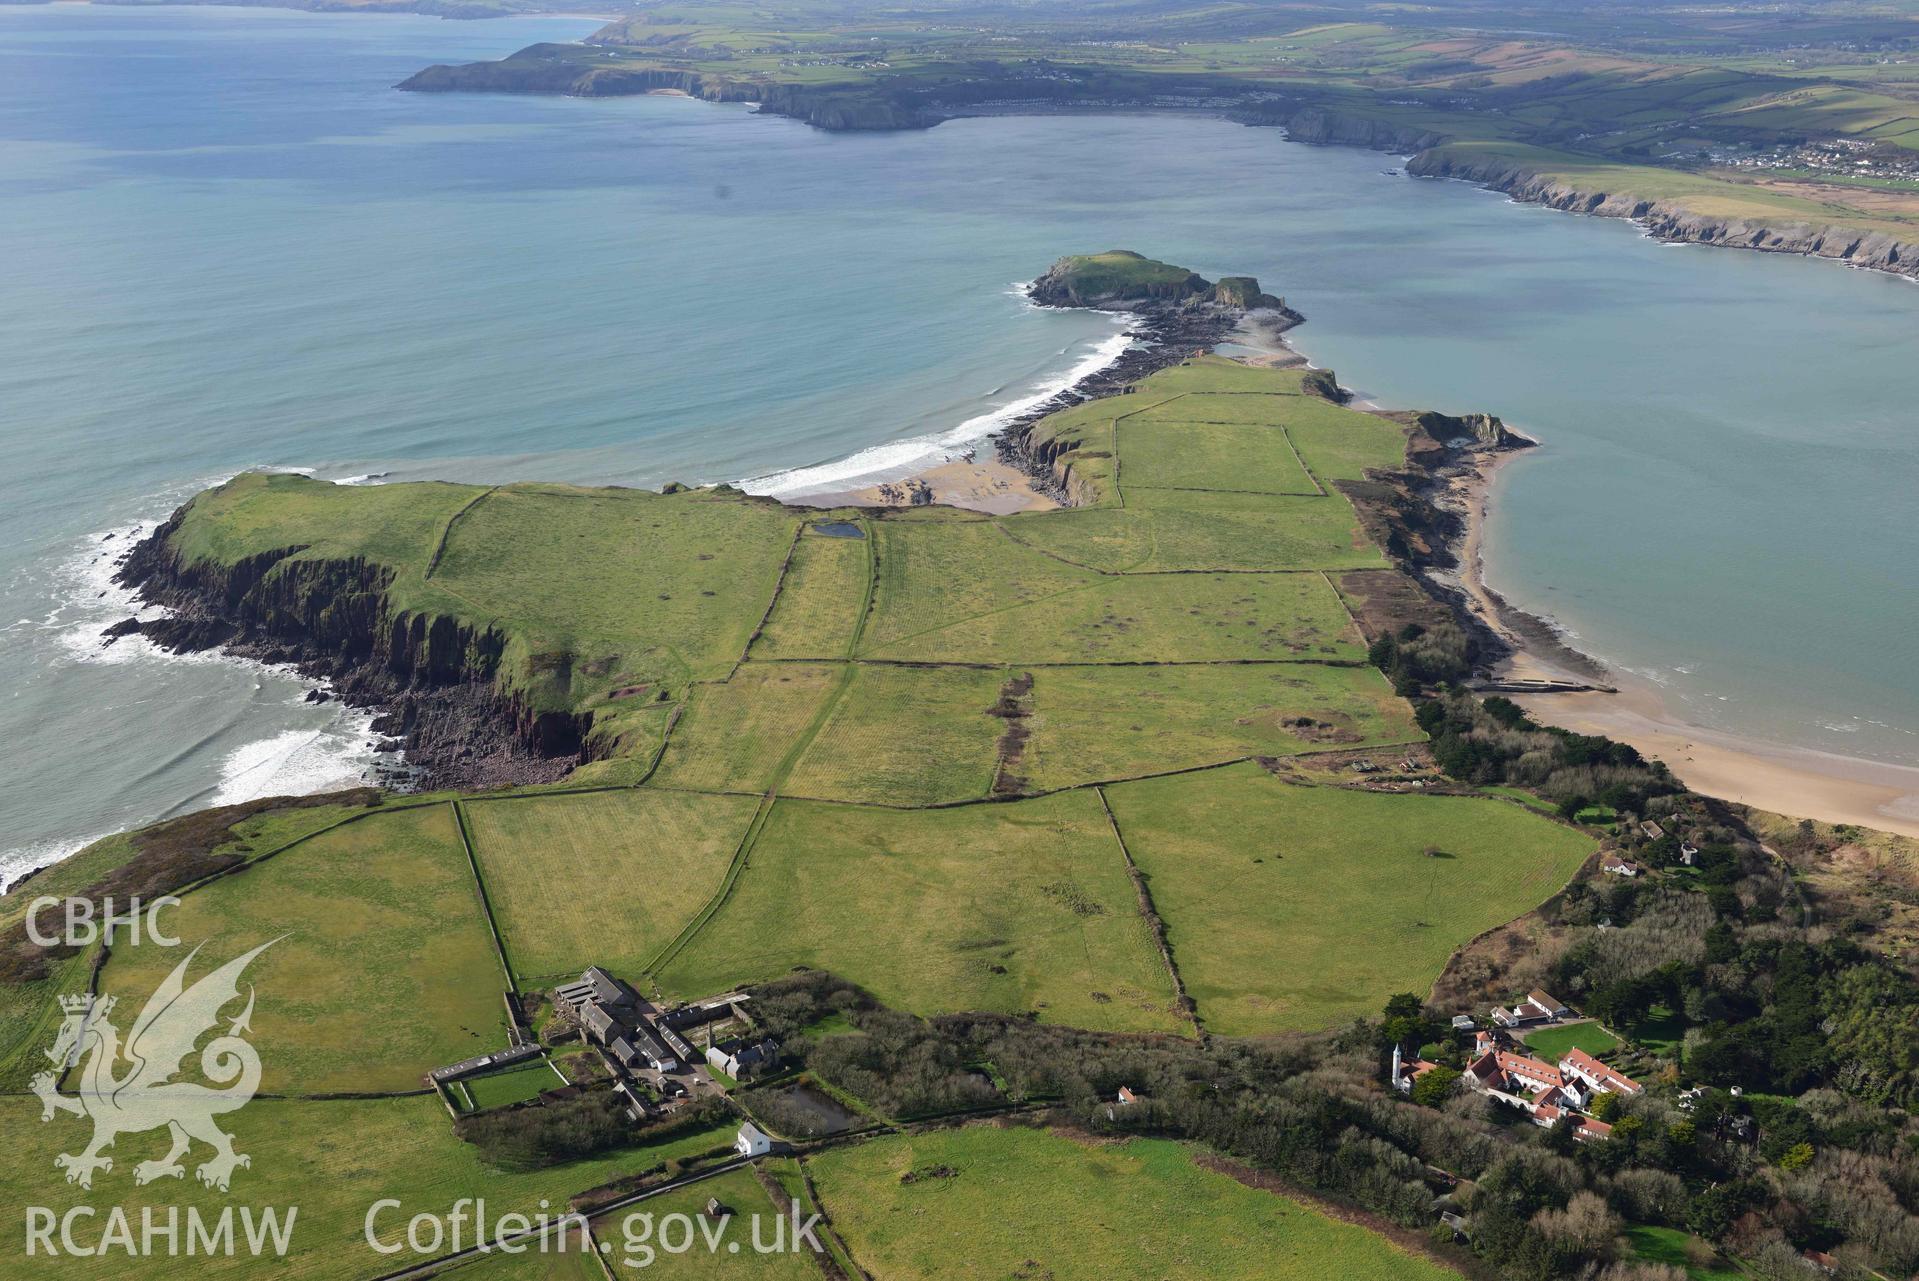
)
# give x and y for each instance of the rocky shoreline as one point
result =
(1166, 330)
(429, 681)
(1663, 220)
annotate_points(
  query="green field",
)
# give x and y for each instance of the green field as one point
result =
(1014, 907)
(30, 1018)
(330, 1159)
(589, 591)
(383, 968)
(1670, 1246)
(644, 1242)
(515, 1085)
(564, 1260)
(1293, 907)
(1166, 452)
(603, 878)
(1163, 530)
(1139, 618)
(1093, 723)
(1026, 1202)
(736, 735)
(821, 600)
(1552, 1043)
(904, 736)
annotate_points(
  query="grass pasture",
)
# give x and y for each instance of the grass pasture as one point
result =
(588, 590)
(1163, 530)
(517, 1084)
(1150, 619)
(1552, 1043)
(1680, 1249)
(30, 1017)
(385, 969)
(1014, 907)
(1026, 1202)
(600, 878)
(636, 1235)
(1292, 908)
(1096, 723)
(904, 736)
(1177, 454)
(939, 575)
(563, 1260)
(1248, 408)
(330, 1158)
(734, 736)
(636, 584)
(821, 601)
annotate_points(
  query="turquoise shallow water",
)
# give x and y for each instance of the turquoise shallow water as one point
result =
(229, 243)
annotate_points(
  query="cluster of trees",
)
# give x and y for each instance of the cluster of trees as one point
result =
(1767, 1177)
(1417, 656)
(561, 1130)
(897, 1063)
(1494, 741)
(1767, 1004)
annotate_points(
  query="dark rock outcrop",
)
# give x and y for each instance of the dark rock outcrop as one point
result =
(434, 677)
(1179, 313)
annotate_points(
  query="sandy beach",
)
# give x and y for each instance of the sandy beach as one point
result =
(982, 486)
(1800, 782)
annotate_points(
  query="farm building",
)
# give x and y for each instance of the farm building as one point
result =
(751, 1141)
(738, 1058)
(1537, 1007)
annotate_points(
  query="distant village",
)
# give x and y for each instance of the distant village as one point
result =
(1830, 157)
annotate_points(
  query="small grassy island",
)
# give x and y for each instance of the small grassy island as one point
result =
(1096, 838)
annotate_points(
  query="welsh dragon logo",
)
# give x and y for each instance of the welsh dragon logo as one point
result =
(126, 1089)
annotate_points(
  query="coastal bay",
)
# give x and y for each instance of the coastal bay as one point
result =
(250, 221)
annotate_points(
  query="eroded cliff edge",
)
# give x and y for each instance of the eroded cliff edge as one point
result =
(432, 678)
(1669, 221)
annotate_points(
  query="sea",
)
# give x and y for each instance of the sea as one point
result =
(229, 243)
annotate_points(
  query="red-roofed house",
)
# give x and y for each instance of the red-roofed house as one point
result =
(1582, 1066)
(1611, 863)
(1535, 1072)
(1403, 1077)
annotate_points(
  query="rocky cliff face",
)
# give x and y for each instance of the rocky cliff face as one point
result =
(1121, 280)
(1068, 283)
(1470, 431)
(1668, 221)
(434, 678)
